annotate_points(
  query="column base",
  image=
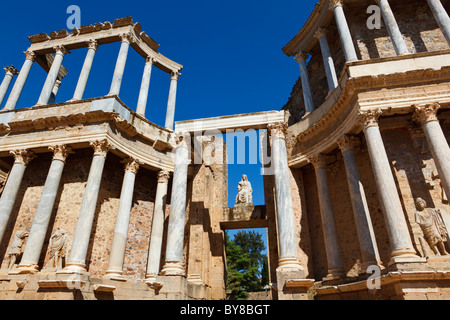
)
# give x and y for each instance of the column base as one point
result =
(115, 274)
(195, 279)
(74, 268)
(406, 262)
(173, 269)
(25, 269)
(289, 264)
(335, 274)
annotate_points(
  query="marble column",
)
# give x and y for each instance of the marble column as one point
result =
(76, 262)
(170, 115)
(16, 91)
(39, 228)
(52, 76)
(21, 160)
(154, 253)
(175, 236)
(441, 16)
(54, 92)
(287, 233)
(426, 115)
(332, 248)
(327, 59)
(344, 31)
(120, 64)
(85, 71)
(366, 235)
(400, 239)
(145, 84)
(392, 28)
(117, 254)
(306, 88)
(10, 73)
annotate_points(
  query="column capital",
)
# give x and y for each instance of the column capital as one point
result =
(369, 118)
(101, 147)
(348, 143)
(131, 165)
(127, 38)
(23, 156)
(150, 60)
(175, 76)
(319, 161)
(183, 139)
(163, 176)
(93, 44)
(335, 3)
(11, 70)
(278, 130)
(321, 32)
(426, 113)
(301, 57)
(61, 50)
(30, 55)
(60, 152)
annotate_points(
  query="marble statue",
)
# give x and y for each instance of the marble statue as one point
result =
(16, 248)
(245, 192)
(57, 249)
(433, 227)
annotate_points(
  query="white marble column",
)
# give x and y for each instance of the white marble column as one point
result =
(392, 28)
(328, 61)
(9, 194)
(441, 16)
(120, 65)
(154, 253)
(117, 254)
(39, 228)
(287, 234)
(145, 84)
(332, 247)
(10, 73)
(426, 115)
(170, 115)
(400, 239)
(306, 88)
(175, 236)
(54, 92)
(366, 235)
(76, 262)
(16, 91)
(52, 76)
(344, 31)
(85, 71)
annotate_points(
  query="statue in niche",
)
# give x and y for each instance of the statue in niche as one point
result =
(15, 249)
(57, 249)
(245, 192)
(433, 227)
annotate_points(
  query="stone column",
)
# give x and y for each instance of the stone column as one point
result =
(117, 254)
(52, 75)
(344, 31)
(170, 115)
(39, 228)
(175, 239)
(332, 248)
(392, 28)
(10, 72)
(441, 16)
(20, 81)
(54, 92)
(307, 96)
(85, 71)
(120, 64)
(327, 59)
(287, 234)
(364, 227)
(154, 253)
(9, 194)
(77, 258)
(400, 239)
(426, 115)
(145, 84)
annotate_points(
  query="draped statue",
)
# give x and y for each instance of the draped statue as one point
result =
(57, 249)
(245, 192)
(16, 248)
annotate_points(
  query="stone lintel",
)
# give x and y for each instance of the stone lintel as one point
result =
(244, 216)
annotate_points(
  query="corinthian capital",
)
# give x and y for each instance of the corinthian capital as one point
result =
(11, 70)
(126, 37)
(369, 118)
(348, 143)
(426, 113)
(163, 176)
(30, 55)
(93, 44)
(131, 165)
(61, 50)
(101, 147)
(335, 3)
(175, 76)
(321, 32)
(60, 152)
(23, 156)
(301, 57)
(318, 161)
(278, 130)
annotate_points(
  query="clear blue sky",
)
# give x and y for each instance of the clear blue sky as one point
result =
(230, 50)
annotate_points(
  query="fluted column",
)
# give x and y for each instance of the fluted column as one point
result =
(441, 16)
(21, 160)
(332, 248)
(307, 96)
(364, 227)
(10, 72)
(344, 31)
(392, 27)
(145, 84)
(39, 228)
(400, 239)
(154, 253)
(170, 115)
(54, 92)
(85, 71)
(328, 61)
(287, 234)
(77, 258)
(117, 254)
(16, 91)
(120, 65)
(52, 76)
(426, 115)
(175, 236)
